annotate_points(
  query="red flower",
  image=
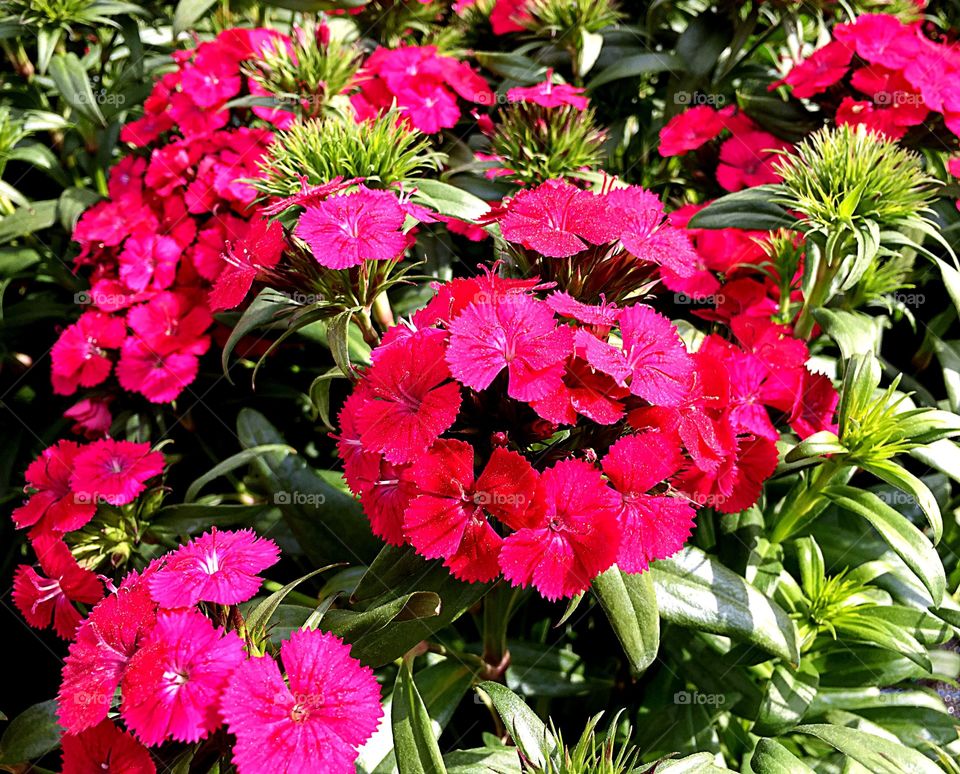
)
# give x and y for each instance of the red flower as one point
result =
(115, 471)
(172, 685)
(220, 567)
(42, 599)
(258, 250)
(159, 373)
(53, 505)
(80, 354)
(689, 130)
(515, 332)
(652, 526)
(411, 400)
(315, 721)
(347, 229)
(105, 748)
(149, 260)
(823, 68)
(748, 159)
(447, 518)
(549, 94)
(571, 534)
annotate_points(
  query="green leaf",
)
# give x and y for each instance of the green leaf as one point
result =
(73, 203)
(71, 81)
(26, 220)
(904, 480)
(752, 209)
(515, 66)
(635, 66)
(329, 525)
(450, 200)
(591, 43)
(771, 757)
(352, 625)
(496, 760)
(630, 602)
(879, 755)
(909, 542)
(32, 734)
(697, 591)
(786, 697)
(233, 462)
(855, 333)
(527, 730)
(259, 617)
(13, 260)
(703, 41)
(817, 445)
(188, 13)
(264, 309)
(414, 744)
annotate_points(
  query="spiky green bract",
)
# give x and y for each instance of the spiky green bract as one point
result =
(382, 151)
(62, 14)
(556, 18)
(539, 143)
(595, 752)
(311, 74)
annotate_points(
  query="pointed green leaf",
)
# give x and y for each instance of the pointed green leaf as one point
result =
(414, 744)
(630, 602)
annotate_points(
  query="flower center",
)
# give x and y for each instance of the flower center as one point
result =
(210, 562)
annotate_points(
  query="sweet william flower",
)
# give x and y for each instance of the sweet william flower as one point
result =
(220, 567)
(347, 229)
(171, 687)
(315, 721)
(105, 749)
(159, 373)
(115, 471)
(549, 94)
(571, 532)
(447, 518)
(53, 506)
(823, 68)
(689, 130)
(80, 356)
(747, 159)
(91, 417)
(651, 526)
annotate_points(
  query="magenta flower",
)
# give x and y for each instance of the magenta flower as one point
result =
(549, 94)
(571, 535)
(80, 354)
(149, 260)
(115, 471)
(105, 643)
(315, 721)
(651, 526)
(653, 357)
(347, 229)
(159, 373)
(411, 398)
(260, 248)
(823, 68)
(516, 332)
(105, 749)
(689, 130)
(220, 567)
(53, 506)
(172, 685)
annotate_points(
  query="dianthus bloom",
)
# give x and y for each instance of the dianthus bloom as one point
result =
(823, 68)
(314, 721)
(172, 685)
(747, 159)
(549, 94)
(572, 535)
(80, 355)
(53, 504)
(689, 130)
(259, 249)
(220, 567)
(105, 748)
(114, 471)
(347, 229)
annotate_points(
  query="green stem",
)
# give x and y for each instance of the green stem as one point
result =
(805, 502)
(497, 609)
(293, 596)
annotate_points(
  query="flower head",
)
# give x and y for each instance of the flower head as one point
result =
(105, 748)
(315, 721)
(115, 471)
(53, 505)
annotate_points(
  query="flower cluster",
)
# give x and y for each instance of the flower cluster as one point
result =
(746, 158)
(66, 484)
(156, 245)
(181, 676)
(424, 85)
(883, 73)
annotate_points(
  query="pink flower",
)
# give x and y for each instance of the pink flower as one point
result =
(689, 130)
(98, 657)
(651, 526)
(115, 471)
(411, 398)
(571, 534)
(508, 16)
(823, 68)
(517, 333)
(555, 218)
(42, 599)
(80, 354)
(220, 567)
(91, 417)
(347, 229)
(653, 357)
(646, 234)
(316, 721)
(747, 160)
(149, 260)
(881, 38)
(549, 94)
(159, 373)
(172, 685)
(447, 517)
(53, 505)
(258, 250)
(105, 748)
